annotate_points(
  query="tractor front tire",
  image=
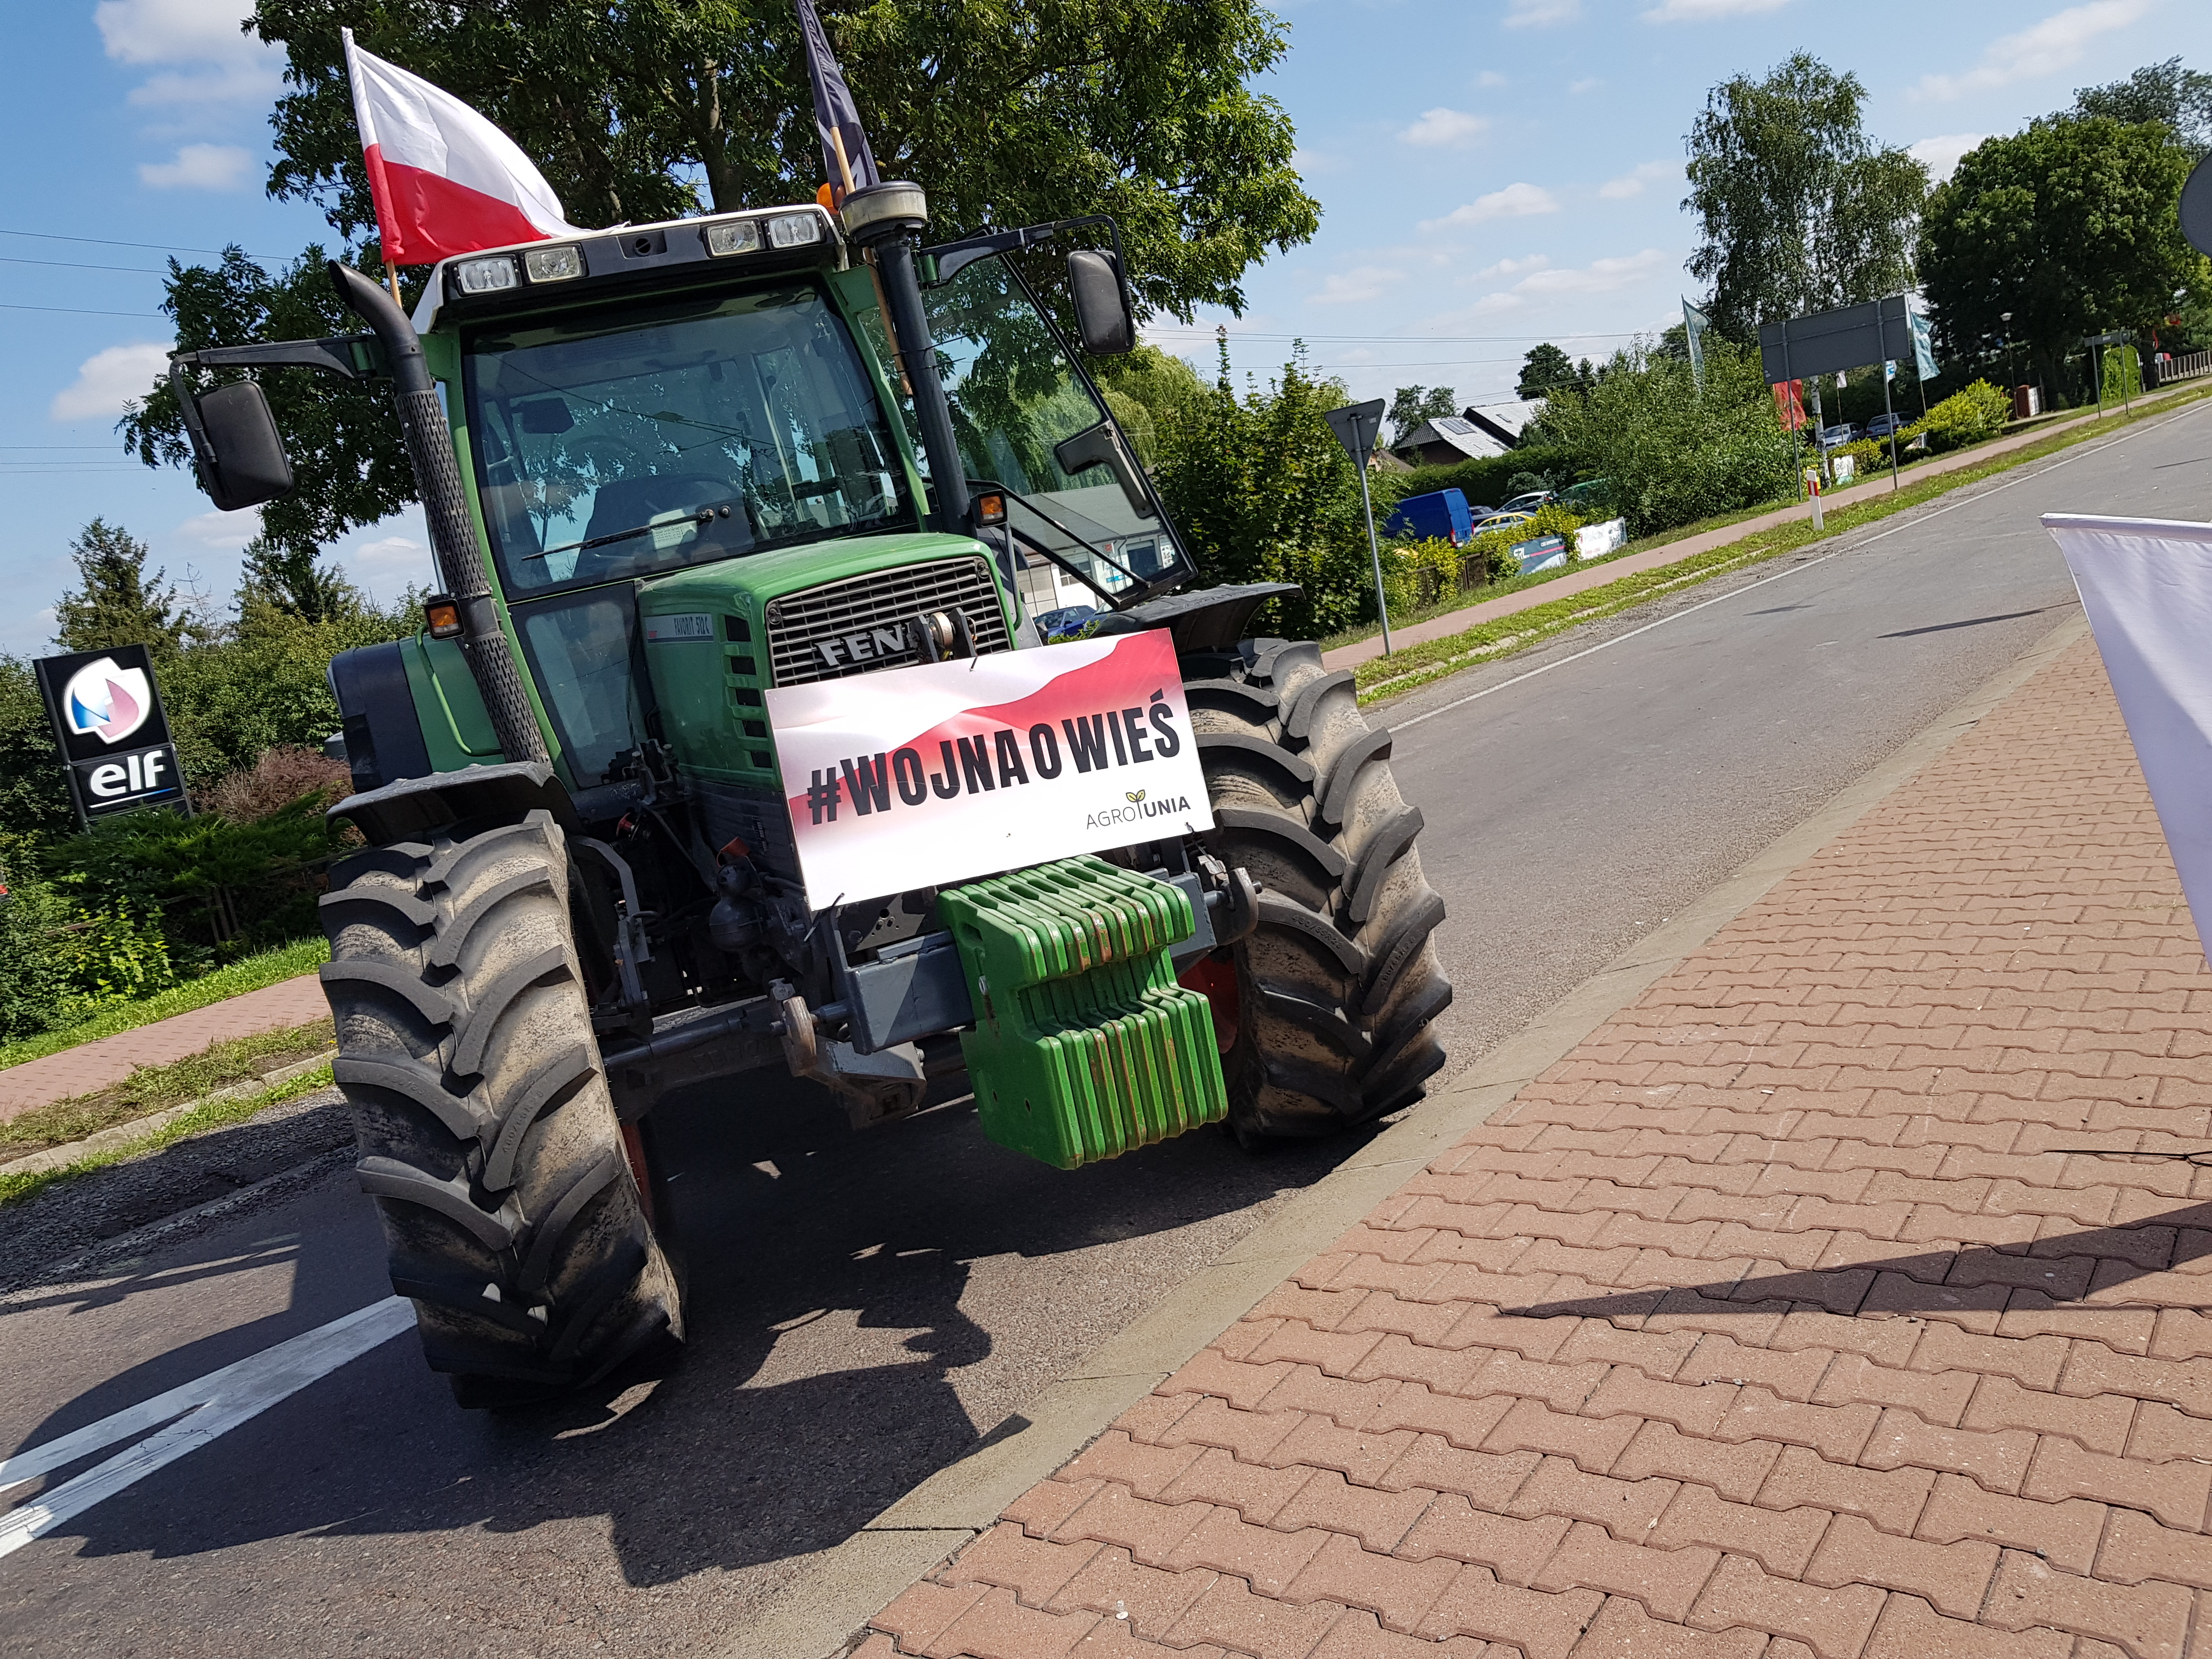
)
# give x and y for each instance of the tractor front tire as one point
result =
(1329, 1018)
(486, 1133)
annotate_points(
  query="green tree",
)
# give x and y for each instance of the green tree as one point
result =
(1545, 368)
(1262, 491)
(1007, 113)
(33, 793)
(347, 462)
(2070, 226)
(290, 578)
(1670, 454)
(1410, 405)
(117, 602)
(1797, 208)
(2178, 98)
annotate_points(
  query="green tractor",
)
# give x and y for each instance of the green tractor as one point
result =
(668, 469)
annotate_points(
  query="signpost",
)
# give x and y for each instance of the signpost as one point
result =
(1357, 427)
(106, 715)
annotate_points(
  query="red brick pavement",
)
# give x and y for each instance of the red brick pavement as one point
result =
(91, 1066)
(1782, 1318)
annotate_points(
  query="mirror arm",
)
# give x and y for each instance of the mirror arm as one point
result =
(943, 263)
(1102, 445)
(355, 357)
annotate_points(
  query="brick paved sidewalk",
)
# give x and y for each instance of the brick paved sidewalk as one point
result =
(91, 1066)
(1776, 1320)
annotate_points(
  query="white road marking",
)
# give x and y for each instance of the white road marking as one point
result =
(203, 1410)
(1914, 523)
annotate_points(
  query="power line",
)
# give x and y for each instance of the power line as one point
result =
(77, 310)
(103, 241)
(1404, 339)
(73, 264)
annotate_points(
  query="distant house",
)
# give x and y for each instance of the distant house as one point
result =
(1472, 435)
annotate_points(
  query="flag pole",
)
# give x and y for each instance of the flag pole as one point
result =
(391, 281)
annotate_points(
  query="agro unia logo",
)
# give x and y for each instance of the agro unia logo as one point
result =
(105, 702)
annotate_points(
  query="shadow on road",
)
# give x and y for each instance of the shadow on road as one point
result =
(864, 1310)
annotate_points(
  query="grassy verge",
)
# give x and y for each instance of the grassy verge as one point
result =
(1417, 666)
(270, 967)
(155, 1088)
(215, 1115)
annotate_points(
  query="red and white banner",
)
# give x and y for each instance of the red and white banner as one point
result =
(2147, 585)
(915, 777)
(446, 180)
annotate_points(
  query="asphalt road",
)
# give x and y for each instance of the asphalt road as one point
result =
(866, 1307)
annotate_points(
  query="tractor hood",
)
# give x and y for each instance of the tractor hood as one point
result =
(716, 636)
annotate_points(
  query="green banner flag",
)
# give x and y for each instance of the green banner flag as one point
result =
(1923, 354)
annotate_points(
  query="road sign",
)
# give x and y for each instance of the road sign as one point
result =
(114, 737)
(2197, 207)
(1357, 427)
(1825, 342)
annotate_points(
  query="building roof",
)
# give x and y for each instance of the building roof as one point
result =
(1456, 433)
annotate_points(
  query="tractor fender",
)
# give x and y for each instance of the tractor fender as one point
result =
(1211, 619)
(413, 808)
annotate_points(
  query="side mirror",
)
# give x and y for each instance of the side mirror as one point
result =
(240, 459)
(1101, 304)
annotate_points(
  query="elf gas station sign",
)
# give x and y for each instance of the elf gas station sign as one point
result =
(106, 714)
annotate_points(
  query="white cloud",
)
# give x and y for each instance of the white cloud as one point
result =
(108, 382)
(1310, 162)
(1441, 128)
(1512, 267)
(1706, 11)
(1490, 78)
(2054, 44)
(1539, 14)
(1632, 182)
(227, 530)
(1515, 200)
(1599, 276)
(1589, 83)
(1940, 155)
(1358, 285)
(199, 167)
(222, 62)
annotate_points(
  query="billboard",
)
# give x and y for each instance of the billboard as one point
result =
(1826, 341)
(919, 776)
(107, 718)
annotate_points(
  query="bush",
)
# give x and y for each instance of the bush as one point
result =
(1419, 574)
(1675, 453)
(282, 775)
(1964, 418)
(60, 963)
(1485, 482)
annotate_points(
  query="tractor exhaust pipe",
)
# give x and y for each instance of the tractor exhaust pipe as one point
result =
(445, 507)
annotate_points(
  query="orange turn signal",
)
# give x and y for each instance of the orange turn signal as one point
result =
(441, 617)
(990, 510)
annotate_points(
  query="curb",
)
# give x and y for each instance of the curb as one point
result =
(823, 1612)
(122, 1135)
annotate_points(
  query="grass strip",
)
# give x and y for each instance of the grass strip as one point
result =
(152, 1089)
(1417, 666)
(250, 974)
(215, 1115)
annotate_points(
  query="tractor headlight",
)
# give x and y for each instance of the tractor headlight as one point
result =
(486, 276)
(553, 265)
(735, 236)
(794, 229)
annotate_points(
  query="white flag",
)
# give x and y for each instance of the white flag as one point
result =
(2147, 585)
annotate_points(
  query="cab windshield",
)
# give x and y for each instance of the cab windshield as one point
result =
(1026, 419)
(695, 430)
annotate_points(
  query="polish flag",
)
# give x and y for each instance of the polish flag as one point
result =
(446, 180)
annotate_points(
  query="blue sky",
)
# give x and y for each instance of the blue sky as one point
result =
(1492, 172)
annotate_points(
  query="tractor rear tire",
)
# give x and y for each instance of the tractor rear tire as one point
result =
(1337, 990)
(486, 1133)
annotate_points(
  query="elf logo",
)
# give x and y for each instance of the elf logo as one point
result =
(146, 773)
(105, 701)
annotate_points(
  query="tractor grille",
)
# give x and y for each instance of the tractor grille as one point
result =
(799, 625)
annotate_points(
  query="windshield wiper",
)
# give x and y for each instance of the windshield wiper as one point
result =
(704, 516)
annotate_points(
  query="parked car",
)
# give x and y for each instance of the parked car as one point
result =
(1503, 521)
(1588, 498)
(1882, 425)
(1064, 623)
(1835, 437)
(1439, 516)
(1528, 503)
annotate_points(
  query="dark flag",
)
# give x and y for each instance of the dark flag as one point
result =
(845, 152)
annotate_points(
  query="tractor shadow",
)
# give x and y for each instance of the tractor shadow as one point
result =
(863, 1310)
